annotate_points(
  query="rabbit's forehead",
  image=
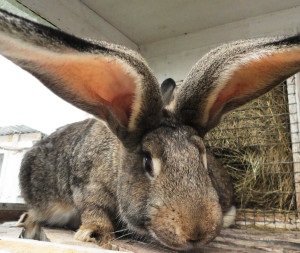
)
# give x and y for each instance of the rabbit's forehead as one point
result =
(166, 142)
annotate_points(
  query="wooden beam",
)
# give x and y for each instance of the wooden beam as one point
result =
(294, 109)
(10, 211)
(76, 18)
(12, 206)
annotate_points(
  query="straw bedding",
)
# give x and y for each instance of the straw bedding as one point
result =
(254, 145)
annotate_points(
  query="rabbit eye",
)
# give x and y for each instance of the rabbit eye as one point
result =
(148, 164)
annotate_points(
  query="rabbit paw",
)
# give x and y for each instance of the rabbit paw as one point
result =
(31, 228)
(96, 235)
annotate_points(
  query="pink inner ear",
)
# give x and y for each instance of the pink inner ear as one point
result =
(225, 95)
(125, 103)
(98, 80)
(256, 75)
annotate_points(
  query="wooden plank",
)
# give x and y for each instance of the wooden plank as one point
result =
(230, 240)
(11, 211)
(10, 215)
(13, 206)
(293, 100)
(258, 241)
(32, 246)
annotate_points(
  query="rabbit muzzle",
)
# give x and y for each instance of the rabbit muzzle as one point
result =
(183, 228)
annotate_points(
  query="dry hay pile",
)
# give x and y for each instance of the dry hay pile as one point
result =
(254, 145)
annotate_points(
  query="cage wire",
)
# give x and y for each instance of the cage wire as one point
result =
(254, 144)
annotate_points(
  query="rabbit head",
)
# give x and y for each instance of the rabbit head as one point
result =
(171, 194)
(165, 184)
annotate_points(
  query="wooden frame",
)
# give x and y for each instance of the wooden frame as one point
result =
(293, 84)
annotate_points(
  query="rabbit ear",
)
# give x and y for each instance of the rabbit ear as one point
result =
(111, 82)
(233, 74)
(167, 88)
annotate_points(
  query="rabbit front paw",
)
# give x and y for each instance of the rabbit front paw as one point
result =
(95, 234)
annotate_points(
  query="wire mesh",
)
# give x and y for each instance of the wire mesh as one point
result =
(254, 144)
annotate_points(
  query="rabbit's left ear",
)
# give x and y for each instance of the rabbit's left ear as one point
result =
(232, 75)
(111, 82)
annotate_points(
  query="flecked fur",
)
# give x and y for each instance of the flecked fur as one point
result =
(95, 174)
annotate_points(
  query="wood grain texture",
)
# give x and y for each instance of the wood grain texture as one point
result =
(230, 240)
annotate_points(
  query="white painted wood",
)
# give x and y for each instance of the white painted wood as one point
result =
(293, 100)
(17, 8)
(174, 57)
(147, 21)
(13, 147)
(23, 140)
(296, 150)
(287, 21)
(297, 82)
(76, 18)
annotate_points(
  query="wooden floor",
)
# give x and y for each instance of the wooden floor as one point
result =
(230, 240)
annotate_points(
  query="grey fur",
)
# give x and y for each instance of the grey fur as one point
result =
(100, 174)
(207, 72)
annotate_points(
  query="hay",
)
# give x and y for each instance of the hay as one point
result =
(254, 145)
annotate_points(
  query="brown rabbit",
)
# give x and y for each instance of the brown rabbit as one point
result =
(142, 164)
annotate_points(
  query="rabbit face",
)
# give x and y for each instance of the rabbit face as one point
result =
(180, 214)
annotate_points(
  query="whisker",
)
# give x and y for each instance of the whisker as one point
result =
(121, 230)
(108, 243)
(122, 236)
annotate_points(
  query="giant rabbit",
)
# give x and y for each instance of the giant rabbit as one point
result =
(141, 164)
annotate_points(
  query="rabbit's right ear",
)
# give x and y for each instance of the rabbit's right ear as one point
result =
(111, 82)
(232, 75)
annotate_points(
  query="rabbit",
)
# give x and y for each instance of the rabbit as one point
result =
(141, 164)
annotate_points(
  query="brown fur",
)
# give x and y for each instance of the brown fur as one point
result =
(142, 166)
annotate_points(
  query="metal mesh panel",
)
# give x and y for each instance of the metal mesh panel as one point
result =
(255, 145)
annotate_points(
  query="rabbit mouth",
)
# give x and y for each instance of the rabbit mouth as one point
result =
(179, 244)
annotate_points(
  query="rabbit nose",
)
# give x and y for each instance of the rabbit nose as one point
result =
(200, 235)
(196, 236)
